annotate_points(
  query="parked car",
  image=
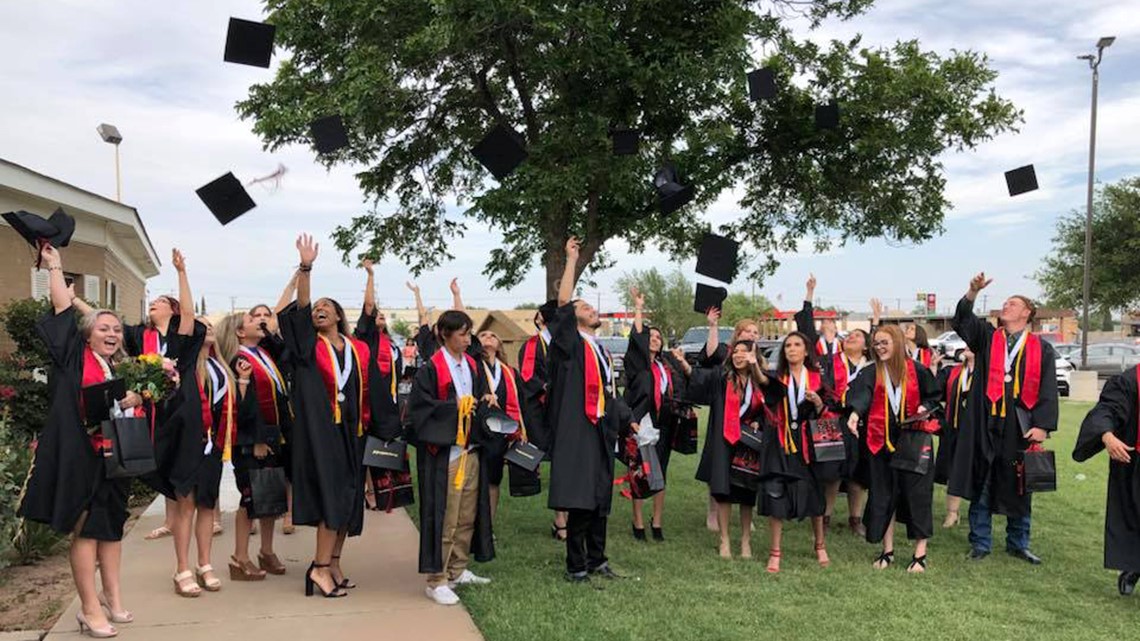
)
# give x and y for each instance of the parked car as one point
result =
(949, 344)
(1108, 359)
(694, 339)
(1068, 350)
(1064, 375)
(616, 346)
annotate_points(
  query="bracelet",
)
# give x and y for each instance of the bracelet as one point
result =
(305, 268)
(54, 268)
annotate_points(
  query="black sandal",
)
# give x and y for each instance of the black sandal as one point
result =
(558, 533)
(658, 533)
(886, 558)
(345, 582)
(638, 532)
(917, 561)
(311, 583)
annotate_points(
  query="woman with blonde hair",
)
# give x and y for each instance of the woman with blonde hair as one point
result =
(895, 399)
(67, 487)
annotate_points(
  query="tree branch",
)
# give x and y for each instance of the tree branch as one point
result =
(515, 72)
(489, 103)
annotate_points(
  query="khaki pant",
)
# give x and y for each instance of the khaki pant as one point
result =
(458, 520)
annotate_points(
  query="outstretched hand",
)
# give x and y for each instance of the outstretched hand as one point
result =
(573, 245)
(50, 256)
(178, 260)
(980, 282)
(810, 286)
(637, 297)
(713, 316)
(307, 249)
(412, 287)
(1116, 448)
(454, 286)
(367, 265)
(853, 424)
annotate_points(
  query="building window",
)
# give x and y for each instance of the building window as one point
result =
(112, 296)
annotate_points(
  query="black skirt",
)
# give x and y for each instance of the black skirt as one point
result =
(107, 513)
(789, 489)
(903, 495)
(947, 446)
(208, 481)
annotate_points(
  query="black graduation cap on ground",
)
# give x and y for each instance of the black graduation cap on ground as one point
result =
(827, 115)
(226, 198)
(671, 194)
(708, 296)
(762, 84)
(249, 43)
(627, 142)
(329, 134)
(501, 151)
(1021, 180)
(717, 257)
(55, 231)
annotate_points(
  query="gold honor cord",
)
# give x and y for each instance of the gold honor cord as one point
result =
(466, 409)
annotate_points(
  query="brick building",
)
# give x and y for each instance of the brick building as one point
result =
(109, 258)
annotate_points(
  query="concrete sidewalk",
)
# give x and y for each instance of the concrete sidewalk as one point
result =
(389, 603)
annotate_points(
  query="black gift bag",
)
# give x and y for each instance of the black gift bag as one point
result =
(127, 449)
(523, 482)
(914, 452)
(385, 455)
(393, 489)
(1038, 470)
(827, 440)
(745, 470)
(652, 466)
(685, 436)
(267, 485)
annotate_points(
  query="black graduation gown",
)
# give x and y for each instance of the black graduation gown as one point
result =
(68, 476)
(706, 386)
(533, 390)
(582, 460)
(948, 436)
(328, 481)
(433, 432)
(991, 446)
(805, 324)
(791, 488)
(179, 440)
(639, 376)
(493, 446)
(385, 423)
(1117, 411)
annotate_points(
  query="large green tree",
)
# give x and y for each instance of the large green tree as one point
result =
(1115, 252)
(668, 299)
(419, 83)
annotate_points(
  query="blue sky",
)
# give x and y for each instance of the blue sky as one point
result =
(154, 69)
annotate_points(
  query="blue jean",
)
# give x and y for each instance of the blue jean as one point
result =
(981, 527)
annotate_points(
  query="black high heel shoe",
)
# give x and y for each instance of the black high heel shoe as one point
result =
(638, 532)
(658, 533)
(345, 582)
(310, 583)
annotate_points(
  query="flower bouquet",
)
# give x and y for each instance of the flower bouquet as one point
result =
(150, 376)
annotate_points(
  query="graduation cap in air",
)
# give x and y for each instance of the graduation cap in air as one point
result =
(226, 198)
(55, 231)
(329, 134)
(762, 84)
(249, 43)
(671, 194)
(501, 151)
(1021, 180)
(626, 142)
(707, 297)
(827, 115)
(717, 257)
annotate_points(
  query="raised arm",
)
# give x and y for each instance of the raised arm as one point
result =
(713, 316)
(421, 311)
(876, 315)
(566, 285)
(61, 296)
(369, 289)
(185, 298)
(287, 294)
(638, 304)
(966, 323)
(456, 298)
(307, 250)
(805, 318)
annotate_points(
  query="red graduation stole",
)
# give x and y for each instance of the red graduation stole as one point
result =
(530, 356)
(264, 386)
(93, 374)
(841, 377)
(821, 346)
(224, 435)
(1028, 359)
(925, 355)
(953, 398)
(326, 365)
(443, 373)
(877, 432)
(384, 360)
(783, 415)
(731, 427)
(512, 407)
(595, 394)
(152, 341)
(657, 391)
(464, 406)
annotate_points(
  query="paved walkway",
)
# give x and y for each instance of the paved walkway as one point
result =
(389, 603)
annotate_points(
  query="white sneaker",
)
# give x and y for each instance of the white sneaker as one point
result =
(442, 595)
(470, 578)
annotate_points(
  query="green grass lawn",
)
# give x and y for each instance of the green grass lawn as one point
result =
(683, 590)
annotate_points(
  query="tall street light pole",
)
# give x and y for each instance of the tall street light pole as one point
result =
(1094, 64)
(110, 134)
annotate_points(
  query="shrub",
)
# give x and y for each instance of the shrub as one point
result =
(23, 388)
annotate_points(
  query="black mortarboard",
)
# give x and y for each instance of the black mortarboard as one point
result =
(671, 194)
(717, 257)
(55, 231)
(226, 198)
(328, 134)
(499, 422)
(827, 116)
(547, 310)
(708, 296)
(762, 84)
(249, 43)
(627, 142)
(1021, 180)
(501, 151)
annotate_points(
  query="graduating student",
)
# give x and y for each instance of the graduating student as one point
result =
(918, 346)
(790, 480)
(330, 397)
(67, 488)
(590, 418)
(883, 398)
(454, 504)
(504, 392)
(1012, 404)
(733, 392)
(1113, 425)
(955, 383)
(651, 389)
(535, 380)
